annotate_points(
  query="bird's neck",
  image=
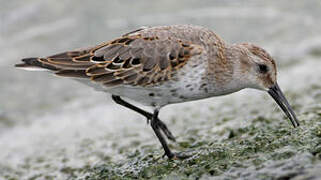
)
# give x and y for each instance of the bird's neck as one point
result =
(227, 73)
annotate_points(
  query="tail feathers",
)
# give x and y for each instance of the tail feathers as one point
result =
(35, 64)
(71, 69)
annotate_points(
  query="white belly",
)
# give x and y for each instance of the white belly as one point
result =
(188, 85)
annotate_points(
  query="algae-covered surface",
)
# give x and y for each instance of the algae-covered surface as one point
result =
(261, 150)
(54, 128)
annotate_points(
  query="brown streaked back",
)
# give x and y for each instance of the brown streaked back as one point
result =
(144, 57)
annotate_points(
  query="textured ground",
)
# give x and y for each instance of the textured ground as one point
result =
(53, 128)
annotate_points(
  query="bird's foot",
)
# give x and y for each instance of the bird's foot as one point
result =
(178, 155)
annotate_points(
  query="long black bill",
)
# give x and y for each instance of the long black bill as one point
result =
(278, 96)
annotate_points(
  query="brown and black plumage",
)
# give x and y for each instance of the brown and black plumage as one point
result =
(139, 58)
(168, 64)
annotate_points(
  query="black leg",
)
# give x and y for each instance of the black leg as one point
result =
(160, 124)
(155, 126)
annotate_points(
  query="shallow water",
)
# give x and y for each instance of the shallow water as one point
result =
(54, 128)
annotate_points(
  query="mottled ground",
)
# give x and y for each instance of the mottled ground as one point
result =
(53, 128)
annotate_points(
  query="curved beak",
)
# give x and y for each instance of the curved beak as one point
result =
(278, 96)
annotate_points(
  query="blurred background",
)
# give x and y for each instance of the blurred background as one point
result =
(49, 123)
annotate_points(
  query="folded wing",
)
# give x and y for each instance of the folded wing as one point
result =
(134, 59)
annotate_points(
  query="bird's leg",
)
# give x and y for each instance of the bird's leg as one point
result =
(155, 125)
(160, 124)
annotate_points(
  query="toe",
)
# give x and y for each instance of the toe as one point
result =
(182, 155)
(179, 155)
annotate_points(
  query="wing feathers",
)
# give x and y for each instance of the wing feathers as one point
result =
(97, 69)
(72, 73)
(136, 59)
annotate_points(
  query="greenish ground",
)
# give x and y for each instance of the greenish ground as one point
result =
(265, 149)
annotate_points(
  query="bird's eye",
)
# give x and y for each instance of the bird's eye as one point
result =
(263, 68)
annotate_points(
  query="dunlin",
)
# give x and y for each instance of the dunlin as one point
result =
(163, 65)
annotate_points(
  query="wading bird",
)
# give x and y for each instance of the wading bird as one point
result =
(157, 66)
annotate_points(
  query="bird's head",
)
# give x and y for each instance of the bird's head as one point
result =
(260, 70)
(259, 67)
